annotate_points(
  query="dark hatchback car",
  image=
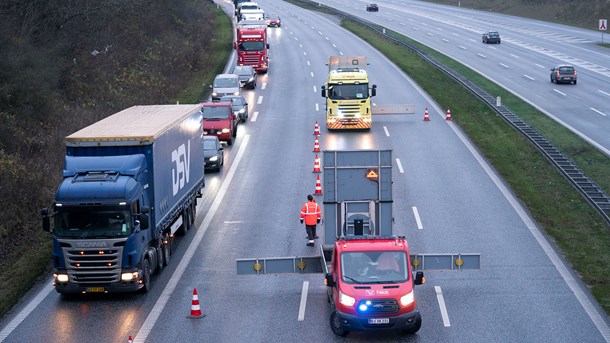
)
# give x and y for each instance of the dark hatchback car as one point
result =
(273, 20)
(372, 8)
(213, 153)
(238, 105)
(491, 37)
(563, 73)
(247, 76)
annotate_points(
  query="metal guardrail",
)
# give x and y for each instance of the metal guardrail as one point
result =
(588, 189)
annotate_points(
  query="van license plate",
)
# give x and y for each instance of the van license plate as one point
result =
(95, 289)
(379, 320)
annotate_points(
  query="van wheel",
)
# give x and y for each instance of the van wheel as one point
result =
(146, 277)
(415, 327)
(335, 325)
(574, 81)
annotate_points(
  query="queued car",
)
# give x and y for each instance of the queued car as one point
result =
(372, 8)
(225, 84)
(246, 75)
(273, 20)
(491, 37)
(219, 121)
(239, 106)
(563, 73)
(213, 153)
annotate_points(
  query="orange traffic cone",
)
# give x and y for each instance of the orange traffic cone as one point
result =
(195, 309)
(426, 116)
(318, 187)
(316, 145)
(316, 129)
(316, 165)
(448, 117)
(130, 340)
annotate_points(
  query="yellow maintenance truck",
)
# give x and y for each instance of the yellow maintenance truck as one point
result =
(348, 100)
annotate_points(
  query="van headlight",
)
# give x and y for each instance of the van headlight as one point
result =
(407, 299)
(226, 130)
(346, 299)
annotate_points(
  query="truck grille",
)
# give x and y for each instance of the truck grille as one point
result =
(93, 265)
(251, 60)
(382, 306)
(349, 111)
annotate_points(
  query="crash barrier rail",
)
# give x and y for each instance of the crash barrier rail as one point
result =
(587, 188)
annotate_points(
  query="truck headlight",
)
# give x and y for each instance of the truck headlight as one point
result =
(346, 299)
(61, 277)
(129, 276)
(213, 158)
(407, 299)
(226, 130)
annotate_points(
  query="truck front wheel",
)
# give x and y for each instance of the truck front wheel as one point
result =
(146, 275)
(335, 325)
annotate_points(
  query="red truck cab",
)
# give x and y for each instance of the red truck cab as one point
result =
(219, 120)
(252, 47)
(371, 286)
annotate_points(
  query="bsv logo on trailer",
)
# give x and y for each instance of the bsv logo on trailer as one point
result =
(180, 172)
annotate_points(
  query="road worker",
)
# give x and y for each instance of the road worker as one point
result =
(311, 214)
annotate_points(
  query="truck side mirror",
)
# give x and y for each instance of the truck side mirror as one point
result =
(374, 90)
(329, 280)
(46, 223)
(143, 221)
(323, 91)
(419, 278)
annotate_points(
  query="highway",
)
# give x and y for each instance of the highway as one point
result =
(446, 199)
(521, 63)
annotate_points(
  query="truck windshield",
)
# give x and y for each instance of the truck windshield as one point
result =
(374, 267)
(351, 91)
(251, 46)
(92, 222)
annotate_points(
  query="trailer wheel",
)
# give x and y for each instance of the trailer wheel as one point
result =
(415, 327)
(335, 325)
(146, 277)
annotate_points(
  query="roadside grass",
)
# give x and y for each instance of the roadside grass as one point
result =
(213, 64)
(578, 231)
(30, 263)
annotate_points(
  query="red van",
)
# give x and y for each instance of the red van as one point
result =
(371, 286)
(219, 120)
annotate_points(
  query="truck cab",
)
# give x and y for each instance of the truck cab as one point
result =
(371, 286)
(219, 120)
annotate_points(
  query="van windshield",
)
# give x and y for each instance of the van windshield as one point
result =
(226, 82)
(374, 267)
(215, 112)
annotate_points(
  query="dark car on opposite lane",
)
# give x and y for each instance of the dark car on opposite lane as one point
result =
(563, 73)
(491, 37)
(372, 8)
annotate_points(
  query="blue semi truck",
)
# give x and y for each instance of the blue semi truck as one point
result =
(130, 182)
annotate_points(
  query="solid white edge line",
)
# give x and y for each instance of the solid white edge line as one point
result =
(303, 301)
(386, 131)
(27, 310)
(417, 219)
(254, 116)
(188, 255)
(441, 304)
(399, 166)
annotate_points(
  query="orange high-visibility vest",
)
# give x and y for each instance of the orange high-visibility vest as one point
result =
(311, 213)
